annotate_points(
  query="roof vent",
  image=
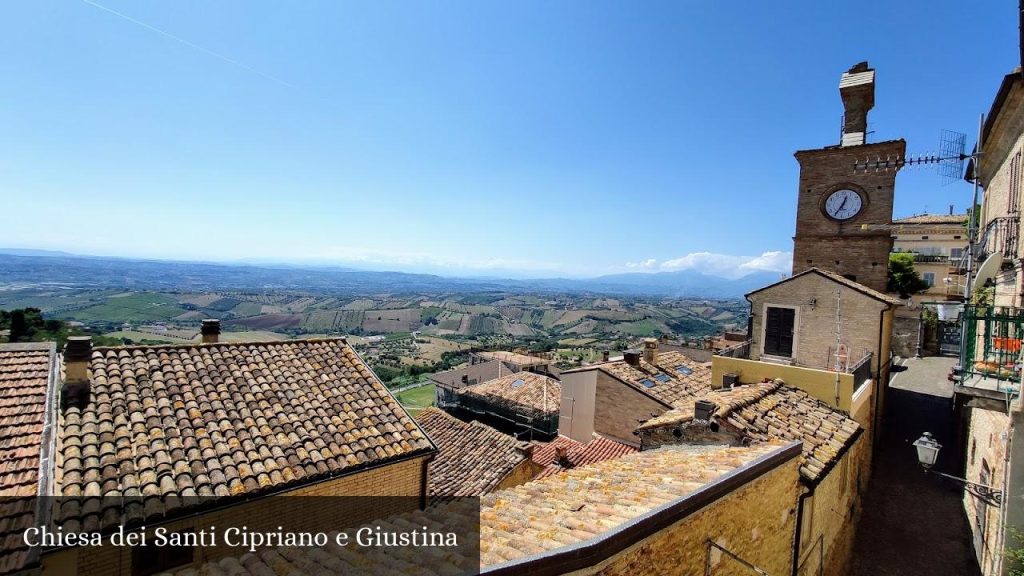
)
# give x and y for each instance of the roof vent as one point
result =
(605, 355)
(210, 330)
(703, 410)
(632, 357)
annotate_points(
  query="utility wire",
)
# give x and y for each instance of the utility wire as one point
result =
(192, 45)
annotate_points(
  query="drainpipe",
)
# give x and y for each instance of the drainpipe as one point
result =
(879, 385)
(799, 519)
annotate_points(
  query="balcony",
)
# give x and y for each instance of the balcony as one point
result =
(992, 348)
(930, 259)
(1001, 235)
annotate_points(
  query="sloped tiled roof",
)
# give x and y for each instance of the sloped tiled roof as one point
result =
(584, 505)
(773, 411)
(521, 360)
(651, 378)
(527, 393)
(474, 373)
(473, 457)
(228, 420)
(25, 371)
(840, 280)
(955, 219)
(578, 453)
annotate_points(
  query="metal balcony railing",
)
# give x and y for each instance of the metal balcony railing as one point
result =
(992, 341)
(930, 258)
(741, 350)
(1001, 235)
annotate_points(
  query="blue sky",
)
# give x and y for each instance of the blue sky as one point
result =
(520, 138)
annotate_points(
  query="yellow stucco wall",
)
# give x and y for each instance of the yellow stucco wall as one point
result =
(831, 512)
(756, 522)
(818, 383)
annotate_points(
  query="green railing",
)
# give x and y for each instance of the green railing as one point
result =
(992, 342)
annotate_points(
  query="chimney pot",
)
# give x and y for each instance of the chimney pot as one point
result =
(562, 456)
(605, 355)
(210, 330)
(651, 350)
(77, 353)
(703, 410)
(632, 357)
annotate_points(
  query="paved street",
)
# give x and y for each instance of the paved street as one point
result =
(912, 523)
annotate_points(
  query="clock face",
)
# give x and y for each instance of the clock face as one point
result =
(843, 204)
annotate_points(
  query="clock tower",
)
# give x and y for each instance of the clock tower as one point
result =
(843, 213)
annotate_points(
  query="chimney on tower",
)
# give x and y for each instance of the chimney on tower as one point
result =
(210, 330)
(77, 353)
(857, 88)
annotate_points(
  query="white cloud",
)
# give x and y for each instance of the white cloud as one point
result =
(648, 264)
(723, 265)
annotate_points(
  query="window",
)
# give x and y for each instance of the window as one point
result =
(778, 331)
(929, 278)
(956, 253)
(647, 383)
(148, 560)
(684, 370)
(1013, 201)
(662, 378)
(518, 383)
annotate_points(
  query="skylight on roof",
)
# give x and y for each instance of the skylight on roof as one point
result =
(662, 378)
(647, 383)
(684, 370)
(518, 383)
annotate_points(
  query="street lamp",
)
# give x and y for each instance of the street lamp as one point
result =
(928, 453)
(927, 450)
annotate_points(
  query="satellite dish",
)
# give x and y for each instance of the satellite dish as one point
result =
(988, 269)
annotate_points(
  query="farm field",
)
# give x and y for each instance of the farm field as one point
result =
(515, 317)
(416, 399)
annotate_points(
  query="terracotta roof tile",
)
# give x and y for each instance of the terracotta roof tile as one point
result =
(954, 219)
(773, 411)
(474, 374)
(673, 378)
(522, 392)
(473, 457)
(316, 403)
(24, 379)
(577, 453)
(520, 360)
(536, 517)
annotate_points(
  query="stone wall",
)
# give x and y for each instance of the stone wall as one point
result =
(986, 451)
(905, 333)
(618, 407)
(813, 296)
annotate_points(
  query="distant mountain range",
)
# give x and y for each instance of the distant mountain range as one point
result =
(19, 266)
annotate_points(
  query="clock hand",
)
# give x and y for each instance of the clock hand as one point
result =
(842, 204)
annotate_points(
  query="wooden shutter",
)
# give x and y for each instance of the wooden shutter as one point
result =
(778, 332)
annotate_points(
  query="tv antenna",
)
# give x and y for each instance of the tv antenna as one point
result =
(948, 161)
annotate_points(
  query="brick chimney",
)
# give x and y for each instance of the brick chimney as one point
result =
(77, 353)
(857, 88)
(210, 330)
(651, 350)
(632, 357)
